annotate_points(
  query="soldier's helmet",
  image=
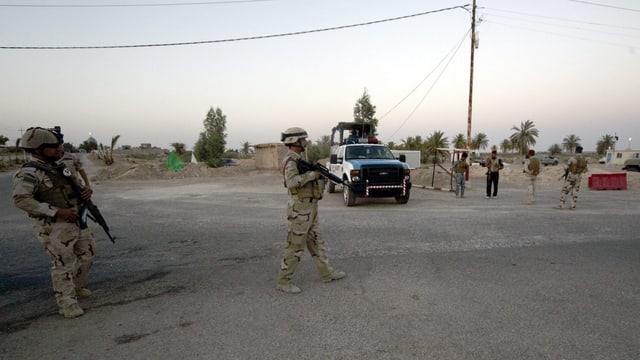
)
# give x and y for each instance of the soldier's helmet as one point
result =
(292, 135)
(37, 137)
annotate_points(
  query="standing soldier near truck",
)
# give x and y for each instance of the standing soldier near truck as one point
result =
(302, 215)
(576, 166)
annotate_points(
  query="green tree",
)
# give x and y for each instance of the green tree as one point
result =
(570, 143)
(3, 140)
(211, 144)
(506, 145)
(524, 136)
(460, 141)
(435, 141)
(89, 145)
(107, 153)
(365, 112)
(606, 142)
(246, 150)
(479, 142)
(179, 148)
(555, 149)
(320, 150)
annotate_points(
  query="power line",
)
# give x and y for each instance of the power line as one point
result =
(564, 20)
(562, 35)
(231, 40)
(450, 55)
(130, 5)
(605, 5)
(568, 26)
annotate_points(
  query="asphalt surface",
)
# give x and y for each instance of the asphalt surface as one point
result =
(193, 271)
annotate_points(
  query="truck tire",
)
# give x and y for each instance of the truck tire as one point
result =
(332, 187)
(348, 196)
(403, 199)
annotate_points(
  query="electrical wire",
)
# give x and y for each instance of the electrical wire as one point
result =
(567, 26)
(450, 56)
(605, 5)
(234, 39)
(130, 5)
(563, 19)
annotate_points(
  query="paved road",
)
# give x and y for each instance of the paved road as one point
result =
(193, 272)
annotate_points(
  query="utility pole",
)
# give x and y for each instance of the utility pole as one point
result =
(473, 47)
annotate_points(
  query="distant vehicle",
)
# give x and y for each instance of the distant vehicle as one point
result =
(602, 160)
(632, 165)
(229, 162)
(478, 160)
(548, 160)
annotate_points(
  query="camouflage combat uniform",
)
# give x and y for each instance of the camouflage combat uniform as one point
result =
(41, 189)
(302, 215)
(576, 166)
(531, 170)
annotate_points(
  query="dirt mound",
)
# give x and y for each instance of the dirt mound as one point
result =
(154, 168)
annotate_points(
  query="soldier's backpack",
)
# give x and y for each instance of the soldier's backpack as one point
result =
(534, 166)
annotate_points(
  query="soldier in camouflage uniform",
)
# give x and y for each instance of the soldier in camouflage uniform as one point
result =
(302, 213)
(460, 169)
(44, 189)
(576, 166)
(531, 170)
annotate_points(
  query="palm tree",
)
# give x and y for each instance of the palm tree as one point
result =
(506, 145)
(435, 141)
(606, 142)
(246, 149)
(479, 142)
(460, 142)
(524, 136)
(570, 143)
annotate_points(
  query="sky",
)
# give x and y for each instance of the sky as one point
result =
(572, 67)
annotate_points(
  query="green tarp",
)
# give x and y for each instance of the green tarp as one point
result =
(173, 162)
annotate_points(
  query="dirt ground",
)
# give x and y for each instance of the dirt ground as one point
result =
(154, 169)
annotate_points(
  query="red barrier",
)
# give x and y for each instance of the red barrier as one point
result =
(615, 181)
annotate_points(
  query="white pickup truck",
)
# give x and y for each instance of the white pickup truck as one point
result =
(369, 170)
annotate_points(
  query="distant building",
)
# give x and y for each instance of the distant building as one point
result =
(618, 157)
(145, 146)
(268, 156)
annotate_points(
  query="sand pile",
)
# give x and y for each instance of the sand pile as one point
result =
(155, 169)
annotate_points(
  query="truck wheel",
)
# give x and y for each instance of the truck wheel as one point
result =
(348, 195)
(332, 187)
(403, 199)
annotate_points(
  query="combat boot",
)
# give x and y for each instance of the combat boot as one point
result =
(335, 275)
(288, 288)
(83, 292)
(71, 311)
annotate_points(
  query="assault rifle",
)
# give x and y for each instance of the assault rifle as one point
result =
(304, 166)
(90, 210)
(566, 173)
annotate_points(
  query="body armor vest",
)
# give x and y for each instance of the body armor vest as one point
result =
(579, 166)
(61, 194)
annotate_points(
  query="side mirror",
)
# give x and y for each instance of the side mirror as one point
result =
(334, 159)
(403, 158)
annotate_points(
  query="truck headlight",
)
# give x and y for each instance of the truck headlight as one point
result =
(355, 175)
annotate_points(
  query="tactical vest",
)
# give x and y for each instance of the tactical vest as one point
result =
(534, 166)
(61, 194)
(461, 166)
(579, 166)
(312, 189)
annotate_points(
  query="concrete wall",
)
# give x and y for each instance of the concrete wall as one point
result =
(269, 156)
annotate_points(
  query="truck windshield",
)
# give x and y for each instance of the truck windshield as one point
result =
(368, 152)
